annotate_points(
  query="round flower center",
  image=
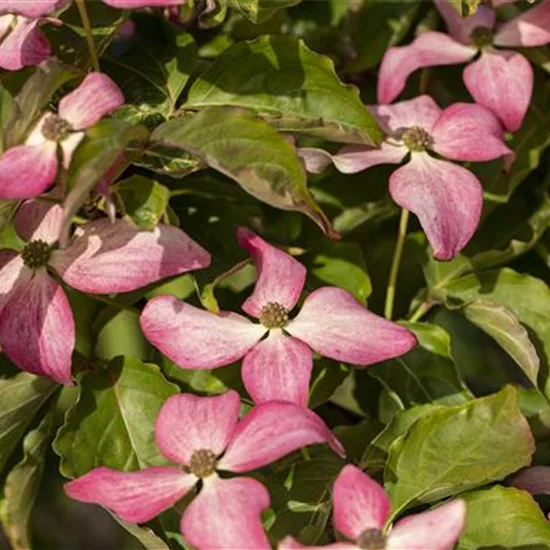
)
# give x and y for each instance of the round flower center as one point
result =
(372, 539)
(416, 139)
(482, 37)
(56, 128)
(36, 254)
(202, 463)
(273, 315)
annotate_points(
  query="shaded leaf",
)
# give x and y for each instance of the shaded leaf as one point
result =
(296, 89)
(112, 423)
(23, 482)
(499, 323)
(20, 399)
(259, 11)
(459, 448)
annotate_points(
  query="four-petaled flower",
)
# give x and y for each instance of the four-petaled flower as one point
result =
(501, 80)
(22, 43)
(362, 509)
(204, 435)
(37, 330)
(331, 322)
(28, 170)
(447, 198)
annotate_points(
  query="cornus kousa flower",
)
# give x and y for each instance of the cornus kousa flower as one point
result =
(500, 79)
(22, 43)
(331, 322)
(361, 510)
(28, 170)
(37, 329)
(446, 197)
(205, 436)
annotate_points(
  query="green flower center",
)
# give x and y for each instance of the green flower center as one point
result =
(416, 139)
(36, 254)
(56, 128)
(482, 37)
(273, 315)
(203, 463)
(372, 539)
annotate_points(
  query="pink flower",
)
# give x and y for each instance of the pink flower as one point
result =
(502, 80)
(37, 329)
(362, 508)
(204, 435)
(446, 197)
(28, 170)
(331, 322)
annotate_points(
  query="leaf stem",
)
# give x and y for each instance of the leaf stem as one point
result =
(390, 293)
(94, 60)
(421, 310)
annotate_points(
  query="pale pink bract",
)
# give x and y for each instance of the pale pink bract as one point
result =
(501, 80)
(331, 322)
(205, 435)
(37, 330)
(362, 508)
(28, 170)
(446, 197)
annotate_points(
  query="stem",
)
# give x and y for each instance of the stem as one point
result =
(390, 294)
(81, 5)
(421, 310)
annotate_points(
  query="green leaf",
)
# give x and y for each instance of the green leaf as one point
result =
(504, 517)
(294, 88)
(375, 456)
(20, 399)
(388, 21)
(170, 162)
(112, 424)
(7, 210)
(146, 536)
(154, 71)
(145, 201)
(342, 264)
(103, 146)
(327, 376)
(499, 323)
(33, 97)
(526, 297)
(23, 482)
(459, 448)
(242, 146)
(259, 11)
(426, 374)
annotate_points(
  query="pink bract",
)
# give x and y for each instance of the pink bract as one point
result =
(501, 80)
(28, 170)
(446, 197)
(331, 322)
(204, 435)
(37, 329)
(362, 509)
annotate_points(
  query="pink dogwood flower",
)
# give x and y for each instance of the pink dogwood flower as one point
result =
(500, 79)
(331, 322)
(362, 509)
(22, 43)
(446, 197)
(205, 436)
(28, 170)
(37, 330)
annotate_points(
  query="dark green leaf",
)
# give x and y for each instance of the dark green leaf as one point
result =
(23, 482)
(20, 399)
(504, 517)
(242, 146)
(296, 89)
(459, 448)
(154, 71)
(259, 11)
(112, 424)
